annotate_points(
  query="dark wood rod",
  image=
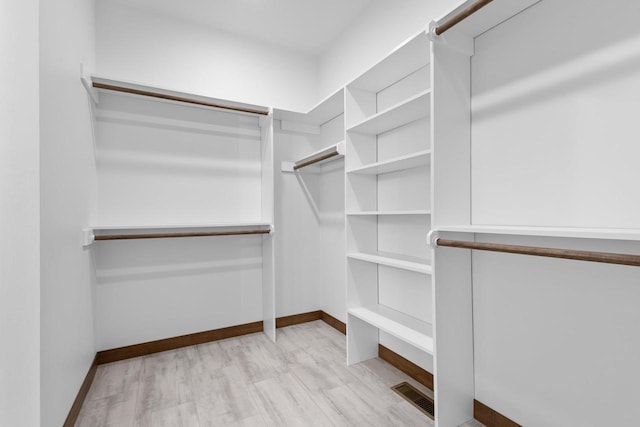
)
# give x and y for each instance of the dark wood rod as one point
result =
(316, 160)
(462, 16)
(168, 235)
(176, 98)
(606, 257)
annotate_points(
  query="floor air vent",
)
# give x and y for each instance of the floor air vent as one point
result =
(414, 396)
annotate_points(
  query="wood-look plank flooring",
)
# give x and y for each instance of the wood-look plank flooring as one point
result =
(302, 380)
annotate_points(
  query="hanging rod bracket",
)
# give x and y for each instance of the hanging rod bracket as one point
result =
(455, 40)
(87, 237)
(432, 239)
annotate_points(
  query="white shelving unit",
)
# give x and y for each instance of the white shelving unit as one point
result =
(388, 156)
(406, 328)
(412, 109)
(163, 172)
(419, 265)
(396, 164)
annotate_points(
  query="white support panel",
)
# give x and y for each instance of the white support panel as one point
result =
(414, 160)
(362, 340)
(406, 328)
(404, 60)
(390, 213)
(414, 108)
(567, 232)
(267, 182)
(418, 265)
(335, 148)
(327, 109)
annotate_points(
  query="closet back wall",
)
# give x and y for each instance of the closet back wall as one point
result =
(162, 51)
(555, 143)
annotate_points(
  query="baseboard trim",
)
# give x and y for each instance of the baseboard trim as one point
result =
(333, 322)
(151, 347)
(490, 417)
(419, 374)
(296, 319)
(72, 417)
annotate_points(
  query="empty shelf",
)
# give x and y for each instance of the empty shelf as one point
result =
(325, 155)
(390, 213)
(421, 158)
(404, 327)
(408, 111)
(419, 265)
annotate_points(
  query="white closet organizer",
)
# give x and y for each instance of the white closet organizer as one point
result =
(309, 150)
(178, 165)
(388, 157)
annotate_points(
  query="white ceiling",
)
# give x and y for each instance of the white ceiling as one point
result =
(306, 26)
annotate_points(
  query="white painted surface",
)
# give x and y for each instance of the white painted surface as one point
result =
(67, 184)
(297, 223)
(167, 52)
(554, 129)
(19, 215)
(149, 290)
(378, 31)
(563, 158)
(306, 26)
(155, 172)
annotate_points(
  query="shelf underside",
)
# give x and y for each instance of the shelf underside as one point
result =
(404, 327)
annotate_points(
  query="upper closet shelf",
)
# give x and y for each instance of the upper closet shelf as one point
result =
(421, 158)
(414, 108)
(320, 157)
(404, 60)
(565, 232)
(128, 232)
(327, 109)
(404, 327)
(390, 213)
(95, 85)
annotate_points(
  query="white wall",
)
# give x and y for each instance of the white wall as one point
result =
(19, 215)
(162, 51)
(555, 143)
(67, 183)
(382, 27)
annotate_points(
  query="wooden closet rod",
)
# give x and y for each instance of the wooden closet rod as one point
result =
(167, 235)
(461, 16)
(606, 257)
(316, 160)
(176, 98)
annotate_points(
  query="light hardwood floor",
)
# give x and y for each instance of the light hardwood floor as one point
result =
(302, 380)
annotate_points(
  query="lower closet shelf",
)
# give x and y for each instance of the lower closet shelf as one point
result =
(402, 326)
(419, 265)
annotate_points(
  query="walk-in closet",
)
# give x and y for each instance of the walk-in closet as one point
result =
(293, 212)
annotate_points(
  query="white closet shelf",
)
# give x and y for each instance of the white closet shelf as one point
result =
(408, 111)
(402, 326)
(565, 232)
(418, 265)
(326, 155)
(117, 232)
(390, 213)
(414, 160)
(404, 60)
(327, 109)
(96, 84)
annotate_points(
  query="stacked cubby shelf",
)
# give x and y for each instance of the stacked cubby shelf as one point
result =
(388, 205)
